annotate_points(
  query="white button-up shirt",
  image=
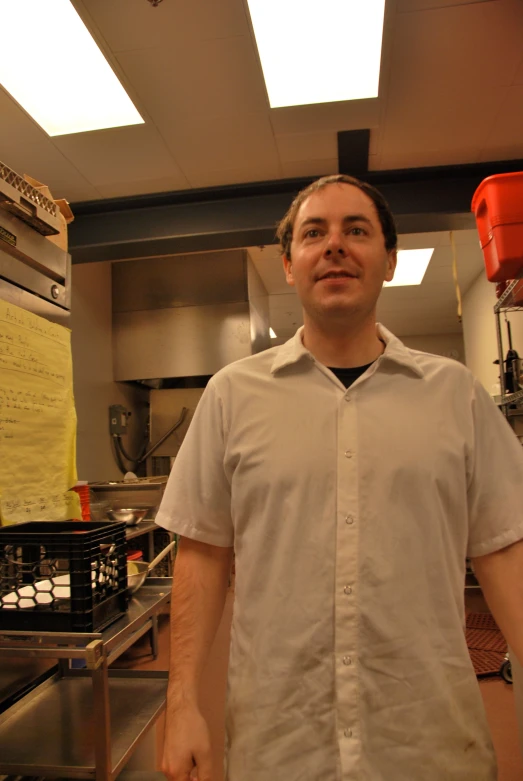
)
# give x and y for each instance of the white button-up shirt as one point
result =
(351, 513)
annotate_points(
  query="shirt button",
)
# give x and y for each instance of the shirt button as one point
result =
(349, 519)
(347, 660)
(348, 590)
(347, 733)
(348, 398)
(348, 454)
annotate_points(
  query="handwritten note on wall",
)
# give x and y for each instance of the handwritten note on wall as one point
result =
(37, 419)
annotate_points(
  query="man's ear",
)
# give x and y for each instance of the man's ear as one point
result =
(392, 260)
(287, 266)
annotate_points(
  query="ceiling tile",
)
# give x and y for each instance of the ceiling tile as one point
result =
(302, 168)
(27, 149)
(449, 99)
(243, 142)
(519, 75)
(134, 24)
(510, 152)
(427, 158)
(253, 173)
(221, 79)
(507, 130)
(405, 6)
(127, 154)
(143, 187)
(347, 115)
(294, 147)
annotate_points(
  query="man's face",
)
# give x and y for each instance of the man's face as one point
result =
(338, 258)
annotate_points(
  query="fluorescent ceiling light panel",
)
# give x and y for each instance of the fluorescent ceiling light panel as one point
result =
(273, 335)
(53, 68)
(411, 268)
(318, 52)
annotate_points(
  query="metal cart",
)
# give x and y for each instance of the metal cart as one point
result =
(84, 723)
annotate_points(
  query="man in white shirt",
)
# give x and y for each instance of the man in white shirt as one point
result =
(352, 476)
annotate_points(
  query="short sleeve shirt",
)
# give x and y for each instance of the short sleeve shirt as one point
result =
(351, 512)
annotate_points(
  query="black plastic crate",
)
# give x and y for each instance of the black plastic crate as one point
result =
(62, 576)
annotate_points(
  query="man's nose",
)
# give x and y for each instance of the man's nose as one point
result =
(336, 245)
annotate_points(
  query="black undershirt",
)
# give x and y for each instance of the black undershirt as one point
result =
(349, 376)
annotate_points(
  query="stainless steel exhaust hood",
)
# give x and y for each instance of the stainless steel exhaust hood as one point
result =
(186, 315)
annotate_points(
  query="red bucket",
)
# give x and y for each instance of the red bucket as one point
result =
(498, 207)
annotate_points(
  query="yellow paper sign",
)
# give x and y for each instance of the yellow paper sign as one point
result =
(37, 419)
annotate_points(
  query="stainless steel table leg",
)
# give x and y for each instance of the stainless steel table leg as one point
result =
(102, 721)
(154, 636)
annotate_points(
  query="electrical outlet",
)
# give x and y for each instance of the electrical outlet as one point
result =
(117, 419)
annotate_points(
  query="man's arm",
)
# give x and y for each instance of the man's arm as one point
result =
(500, 576)
(200, 582)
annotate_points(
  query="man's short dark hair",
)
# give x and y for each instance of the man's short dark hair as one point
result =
(388, 227)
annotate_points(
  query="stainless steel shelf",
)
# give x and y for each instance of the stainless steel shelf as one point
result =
(51, 731)
(506, 302)
(142, 528)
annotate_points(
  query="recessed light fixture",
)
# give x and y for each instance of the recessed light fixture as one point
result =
(411, 268)
(318, 53)
(273, 335)
(53, 68)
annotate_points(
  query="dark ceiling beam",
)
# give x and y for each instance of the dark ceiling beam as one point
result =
(422, 199)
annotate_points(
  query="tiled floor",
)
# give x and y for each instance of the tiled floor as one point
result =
(497, 696)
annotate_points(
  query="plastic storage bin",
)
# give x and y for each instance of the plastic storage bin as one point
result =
(63, 576)
(498, 207)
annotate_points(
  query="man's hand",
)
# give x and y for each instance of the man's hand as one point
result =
(187, 746)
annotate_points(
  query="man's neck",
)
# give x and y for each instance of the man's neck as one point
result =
(343, 346)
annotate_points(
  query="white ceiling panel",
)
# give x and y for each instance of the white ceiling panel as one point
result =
(223, 143)
(293, 147)
(224, 80)
(120, 155)
(302, 168)
(134, 24)
(352, 115)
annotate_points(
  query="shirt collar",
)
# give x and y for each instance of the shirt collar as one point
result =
(294, 350)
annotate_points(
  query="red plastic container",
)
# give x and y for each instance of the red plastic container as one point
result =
(498, 206)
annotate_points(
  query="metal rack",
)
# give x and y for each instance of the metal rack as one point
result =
(506, 304)
(85, 724)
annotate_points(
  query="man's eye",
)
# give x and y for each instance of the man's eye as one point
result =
(357, 231)
(312, 233)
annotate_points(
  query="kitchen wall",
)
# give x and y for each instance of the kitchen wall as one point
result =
(94, 389)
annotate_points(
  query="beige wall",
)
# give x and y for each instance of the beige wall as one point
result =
(450, 345)
(94, 389)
